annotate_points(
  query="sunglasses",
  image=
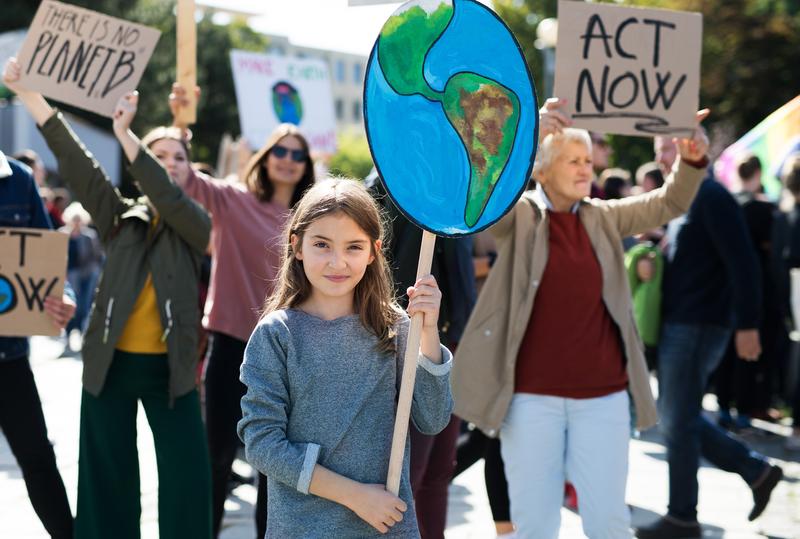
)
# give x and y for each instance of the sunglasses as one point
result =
(298, 156)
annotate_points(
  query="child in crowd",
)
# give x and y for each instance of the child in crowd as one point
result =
(322, 371)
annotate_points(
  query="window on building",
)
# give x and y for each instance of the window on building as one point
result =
(357, 110)
(339, 109)
(357, 73)
(340, 76)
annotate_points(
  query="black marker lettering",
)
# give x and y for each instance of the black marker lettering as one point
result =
(76, 65)
(95, 52)
(657, 39)
(44, 40)
(586, 77)
(612, 92)
(661, 91)
(62, 56)
(23, 236)
(595, 20)
(125, 61)
(617, 44)
(34, 296)
(102, 68)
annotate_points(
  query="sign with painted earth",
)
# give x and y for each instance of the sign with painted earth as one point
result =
(451, 115)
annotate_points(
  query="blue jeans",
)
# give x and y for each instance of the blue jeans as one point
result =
(688, 355)
(84, 295)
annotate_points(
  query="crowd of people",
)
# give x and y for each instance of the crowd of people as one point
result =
(540, 336)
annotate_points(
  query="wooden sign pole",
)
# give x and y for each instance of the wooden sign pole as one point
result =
(409, 375)
(187, 61)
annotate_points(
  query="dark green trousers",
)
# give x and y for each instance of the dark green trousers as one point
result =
(109, 499)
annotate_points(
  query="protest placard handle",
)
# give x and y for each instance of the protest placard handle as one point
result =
(187, 61)
(409, 374)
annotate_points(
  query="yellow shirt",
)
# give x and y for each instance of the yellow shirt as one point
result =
(143, 330)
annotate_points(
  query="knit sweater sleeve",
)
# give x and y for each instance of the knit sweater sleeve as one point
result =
(432, 402)
(265, 409)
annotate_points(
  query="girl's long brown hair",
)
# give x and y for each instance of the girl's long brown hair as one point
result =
(373, 297)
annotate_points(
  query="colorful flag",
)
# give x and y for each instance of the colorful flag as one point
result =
(773, 140)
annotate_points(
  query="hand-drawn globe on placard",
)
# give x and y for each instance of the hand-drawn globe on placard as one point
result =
(451, 115)
(287, 104)
(8, 296)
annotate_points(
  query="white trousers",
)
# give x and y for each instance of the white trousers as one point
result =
(546, 440)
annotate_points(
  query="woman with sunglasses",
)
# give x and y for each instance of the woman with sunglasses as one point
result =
(247, 218)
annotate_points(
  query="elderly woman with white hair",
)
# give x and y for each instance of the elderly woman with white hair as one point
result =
(551, 352)
(84, 265)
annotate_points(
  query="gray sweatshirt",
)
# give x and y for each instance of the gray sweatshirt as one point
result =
(319, 392)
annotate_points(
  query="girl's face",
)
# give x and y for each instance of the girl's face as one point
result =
(335, 253)
(286, 161)
(172, 155)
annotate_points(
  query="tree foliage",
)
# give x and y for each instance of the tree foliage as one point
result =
(748, 63)
(352, 159)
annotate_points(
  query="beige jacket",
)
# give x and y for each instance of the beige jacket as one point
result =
(483, 371)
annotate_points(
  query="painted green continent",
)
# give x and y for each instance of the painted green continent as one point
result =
(483, 112)
(404, 41)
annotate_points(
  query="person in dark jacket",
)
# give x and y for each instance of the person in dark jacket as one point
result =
(21, 418)
(432, 457)
(711, 272)
(786, 257)
(748, 385)
(141, 341)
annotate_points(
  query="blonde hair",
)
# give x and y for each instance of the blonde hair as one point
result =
(373, 297)
(550, 148)
(168, 133)
(76, 210)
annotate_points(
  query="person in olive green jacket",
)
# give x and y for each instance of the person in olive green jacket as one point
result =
(140, 344)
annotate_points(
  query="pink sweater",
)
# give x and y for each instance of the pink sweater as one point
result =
(246, 249)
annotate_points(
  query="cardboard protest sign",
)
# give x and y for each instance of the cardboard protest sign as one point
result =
(84, 58)
(629, 71)
(451, 121)
(271, 90)
(33, 265)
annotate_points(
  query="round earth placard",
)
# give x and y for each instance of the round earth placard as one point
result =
(451, 115)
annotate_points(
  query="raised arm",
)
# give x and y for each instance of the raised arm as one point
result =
(87, 180)
(634, 215)
(180, 212)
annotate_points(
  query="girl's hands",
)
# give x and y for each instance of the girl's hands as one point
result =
(377, 506)
(695, 149)
(425, 297)
(125, 112)
(12, 73)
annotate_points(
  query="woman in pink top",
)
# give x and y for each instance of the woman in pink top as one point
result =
(247, 220)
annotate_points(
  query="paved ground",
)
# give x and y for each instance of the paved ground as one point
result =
(724, 499)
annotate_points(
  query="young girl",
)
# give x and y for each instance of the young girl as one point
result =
(322, 371)
(248, 218)
(141, 341)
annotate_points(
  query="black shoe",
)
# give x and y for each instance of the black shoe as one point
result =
(668, 527)
(762, 492)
